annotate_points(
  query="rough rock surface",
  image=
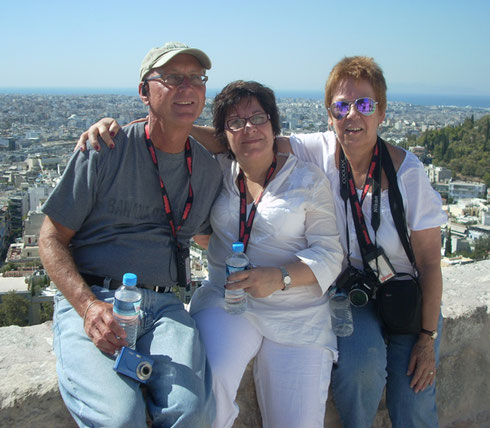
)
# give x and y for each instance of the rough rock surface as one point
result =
(29, 392)
(29, 395)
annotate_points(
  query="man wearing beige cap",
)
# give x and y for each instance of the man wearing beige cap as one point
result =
(138, 216)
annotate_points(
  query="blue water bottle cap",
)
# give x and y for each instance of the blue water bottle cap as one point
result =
(237, 247)
(130, 279)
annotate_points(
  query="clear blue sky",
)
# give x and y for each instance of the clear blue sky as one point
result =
(423, 46)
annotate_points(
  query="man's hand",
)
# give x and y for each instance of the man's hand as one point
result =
(422, 364)
(101, 327)
(105, 128)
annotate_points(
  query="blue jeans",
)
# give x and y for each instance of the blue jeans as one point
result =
(367, 363)
(179, 390)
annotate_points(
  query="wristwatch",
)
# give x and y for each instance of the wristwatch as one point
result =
(286, 279)
(431, 333)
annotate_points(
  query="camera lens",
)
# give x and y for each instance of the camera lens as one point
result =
(143, 370)
(358, 297)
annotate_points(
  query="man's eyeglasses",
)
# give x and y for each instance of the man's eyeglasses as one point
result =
(178, 79)
(238, 123)
(366, 106)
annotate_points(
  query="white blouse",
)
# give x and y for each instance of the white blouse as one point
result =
(295, 219)
(423, 207)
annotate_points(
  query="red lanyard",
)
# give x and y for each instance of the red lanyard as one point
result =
(369, 177)
(166, 201)
(246, 224)
(348, 192)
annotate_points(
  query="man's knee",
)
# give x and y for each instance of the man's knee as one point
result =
(133, 415)
(118, 412)
(195, 410)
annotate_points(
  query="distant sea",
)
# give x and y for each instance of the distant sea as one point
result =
(417, 99)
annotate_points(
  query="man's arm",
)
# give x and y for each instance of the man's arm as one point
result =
(108, 127)
(205, 135)
(202, 240)
(283, 145)
(99, 323)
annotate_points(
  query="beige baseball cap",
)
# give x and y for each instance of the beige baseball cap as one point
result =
(160, 56)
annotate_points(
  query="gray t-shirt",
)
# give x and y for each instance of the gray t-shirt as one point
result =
(112, 199)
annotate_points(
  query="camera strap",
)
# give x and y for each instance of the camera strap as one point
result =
(396, 203)
(348, 192)
(245, 228)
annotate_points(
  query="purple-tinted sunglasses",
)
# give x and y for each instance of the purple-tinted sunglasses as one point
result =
(366, 106)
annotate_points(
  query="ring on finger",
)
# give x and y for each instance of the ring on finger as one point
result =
(431, 372)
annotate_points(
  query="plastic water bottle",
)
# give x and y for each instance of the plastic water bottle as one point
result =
(127, 302)
(341, 312)
(236, 300)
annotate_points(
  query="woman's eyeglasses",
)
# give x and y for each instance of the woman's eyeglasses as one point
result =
(366, 106)
(238, 123)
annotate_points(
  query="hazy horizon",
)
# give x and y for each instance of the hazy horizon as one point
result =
(461, 100)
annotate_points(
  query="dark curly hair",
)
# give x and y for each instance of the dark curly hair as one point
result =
(235, 92)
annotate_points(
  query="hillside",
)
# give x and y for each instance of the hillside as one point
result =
(465, 149)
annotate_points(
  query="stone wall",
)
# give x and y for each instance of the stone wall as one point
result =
(29, 393)
(463, 379)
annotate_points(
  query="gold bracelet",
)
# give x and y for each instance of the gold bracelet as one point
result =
(86, 310)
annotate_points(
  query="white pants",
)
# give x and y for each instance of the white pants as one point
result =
(291, 381)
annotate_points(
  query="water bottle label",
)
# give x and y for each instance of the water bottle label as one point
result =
(232, 269)
(127, 309)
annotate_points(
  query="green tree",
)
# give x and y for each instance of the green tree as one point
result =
(14, 310)
(447, 247)
(465, 149)
(487, 133)
(7, 267)
(482, 248)
(46, 312)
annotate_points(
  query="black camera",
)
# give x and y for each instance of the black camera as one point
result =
(131, 363)
(360, 286)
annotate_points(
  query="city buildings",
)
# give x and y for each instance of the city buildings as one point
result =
(38, 134)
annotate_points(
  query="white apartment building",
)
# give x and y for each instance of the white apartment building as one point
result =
(463, 189)
(438, 174)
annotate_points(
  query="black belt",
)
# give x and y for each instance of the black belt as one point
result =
(113, 284)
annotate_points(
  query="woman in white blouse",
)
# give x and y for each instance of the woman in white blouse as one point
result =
(355, 97)
(369, 359)
(286, 327)
(295, 252)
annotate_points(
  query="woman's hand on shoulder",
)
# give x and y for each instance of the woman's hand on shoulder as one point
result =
(105, 128)
(258, 282)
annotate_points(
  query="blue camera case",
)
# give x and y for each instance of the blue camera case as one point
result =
(134, 365)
